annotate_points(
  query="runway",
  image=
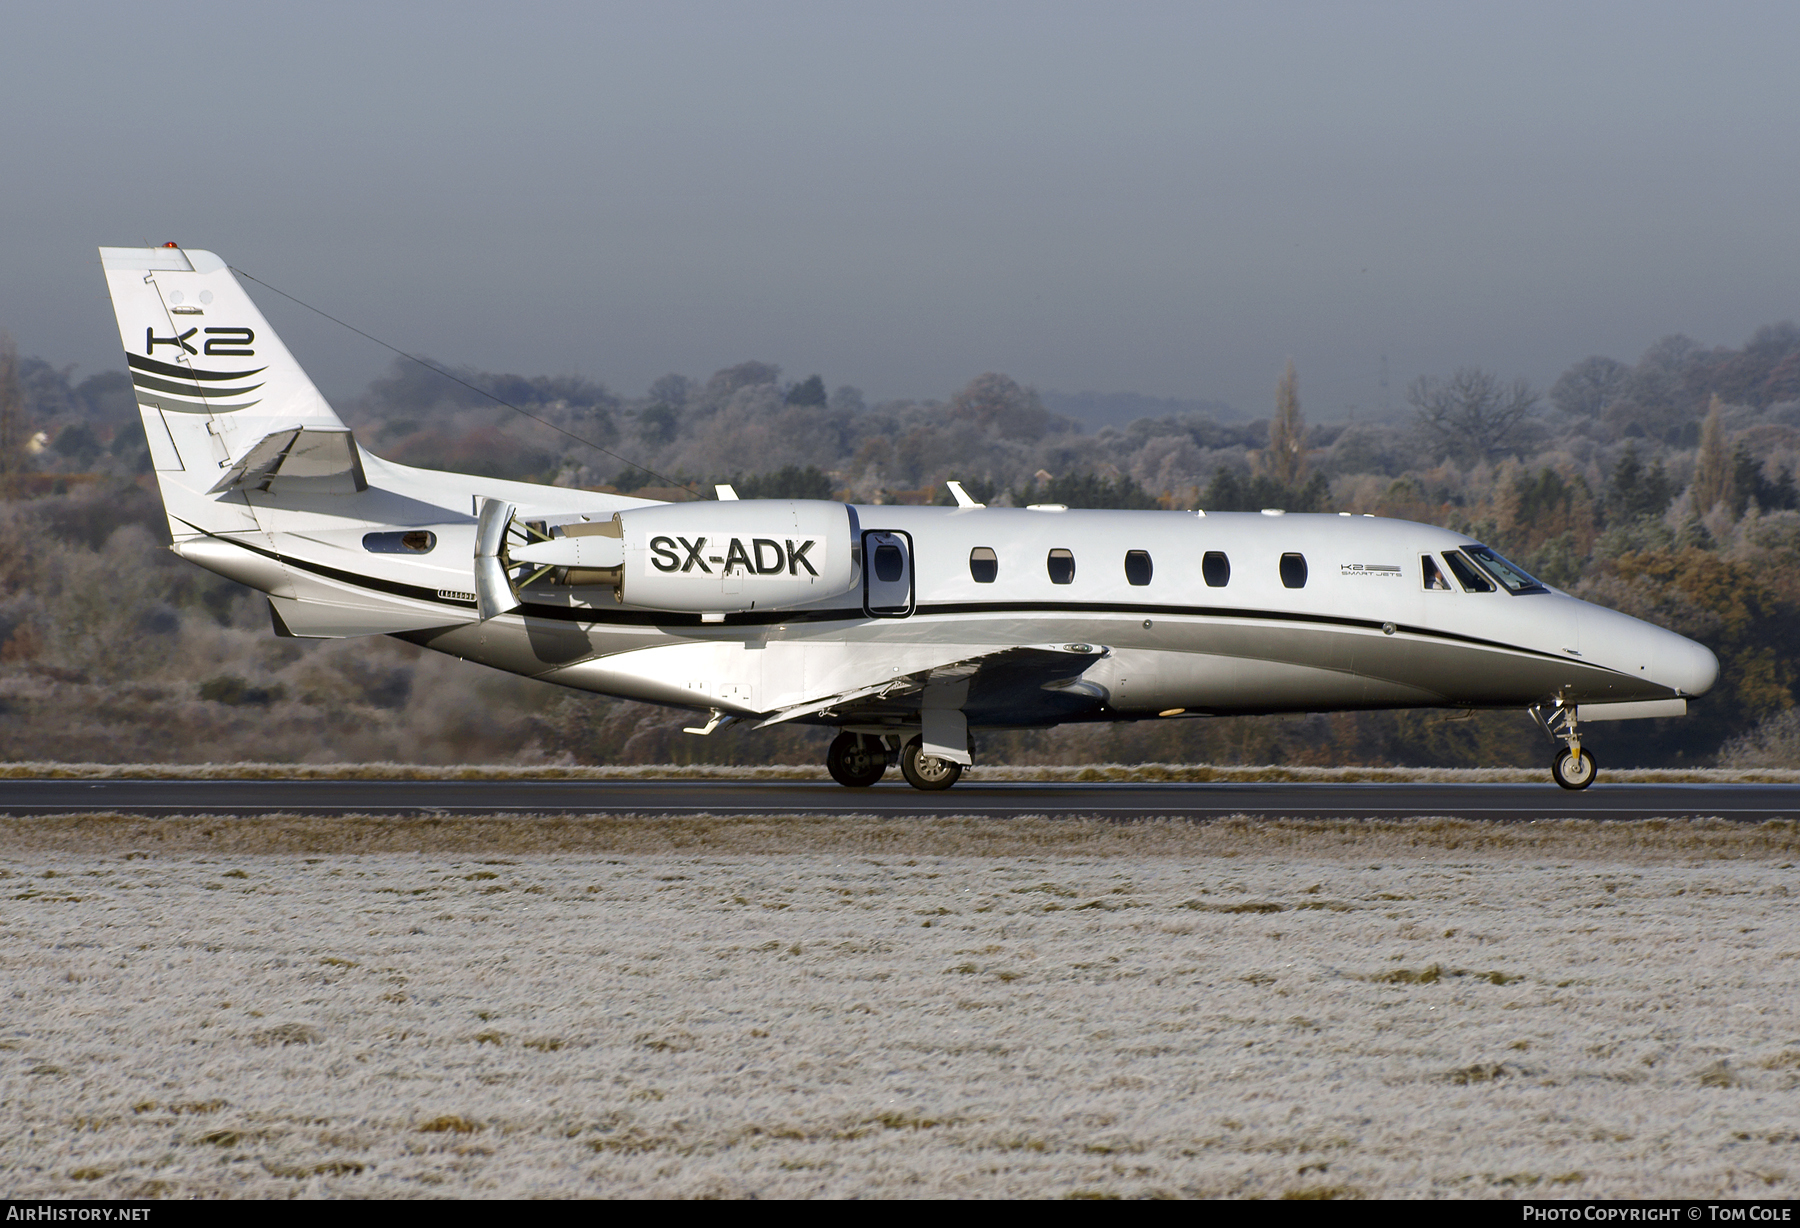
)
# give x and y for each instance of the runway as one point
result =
(1748, 803)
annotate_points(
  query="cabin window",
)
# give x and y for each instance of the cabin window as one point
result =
(1293, 570)
(1466, 574)
(1434, 576)
(984, 565)
(1138, 567)
(890, 563)
(1216, 569)
(1511, 575)
(1061, 565)
(410, 541)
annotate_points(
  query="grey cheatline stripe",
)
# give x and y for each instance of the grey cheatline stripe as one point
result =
(151, 384)
(162, 400)
(181, 372)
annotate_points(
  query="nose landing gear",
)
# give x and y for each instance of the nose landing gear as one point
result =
(1573, 768)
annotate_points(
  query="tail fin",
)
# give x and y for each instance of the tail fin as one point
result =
(213, 381)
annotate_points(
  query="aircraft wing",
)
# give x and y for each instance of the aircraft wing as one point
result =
(1019, 684)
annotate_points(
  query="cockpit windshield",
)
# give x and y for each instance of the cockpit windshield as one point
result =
(1513, 578)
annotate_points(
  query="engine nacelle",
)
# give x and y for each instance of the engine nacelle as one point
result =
(751, 554)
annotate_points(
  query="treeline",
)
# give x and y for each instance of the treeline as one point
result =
(1664, 487)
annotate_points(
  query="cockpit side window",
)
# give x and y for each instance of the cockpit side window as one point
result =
(1466, 574)
(1434, 577)
(1513, 577)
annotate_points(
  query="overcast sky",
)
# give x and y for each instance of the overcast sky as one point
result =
(1168, 199)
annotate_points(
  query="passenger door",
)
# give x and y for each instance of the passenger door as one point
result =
(887, 574)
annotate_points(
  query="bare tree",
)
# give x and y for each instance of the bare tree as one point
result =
(995, 402)
(1588, 387)
(1287, 431)
(1476, 415)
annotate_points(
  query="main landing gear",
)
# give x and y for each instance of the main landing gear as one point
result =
(1574, 767)
(923, 771)
(858, 761)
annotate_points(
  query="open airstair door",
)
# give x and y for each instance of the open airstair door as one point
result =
(887, 574)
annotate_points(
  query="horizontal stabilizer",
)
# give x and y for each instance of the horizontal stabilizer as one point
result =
(299, 460)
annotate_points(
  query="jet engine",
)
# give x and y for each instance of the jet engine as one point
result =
(710, 557)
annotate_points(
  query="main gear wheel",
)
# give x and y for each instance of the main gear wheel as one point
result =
(923, 771)
(855, 760)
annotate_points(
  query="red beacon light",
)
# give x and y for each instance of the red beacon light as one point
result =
(171, 245)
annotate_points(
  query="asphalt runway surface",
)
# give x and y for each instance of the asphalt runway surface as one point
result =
(1749, 803)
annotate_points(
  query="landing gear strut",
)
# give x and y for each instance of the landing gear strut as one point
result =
(1574, 768)
(855, 760)
(923, 771)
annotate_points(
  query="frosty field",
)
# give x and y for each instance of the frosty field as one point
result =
(551, 1007)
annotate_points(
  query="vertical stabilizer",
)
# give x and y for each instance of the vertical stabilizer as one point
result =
(212, 379)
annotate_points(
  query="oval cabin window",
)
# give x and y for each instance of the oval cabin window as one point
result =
(412, 541)
(890, 563)
(984, 565)
(1293, 570)
(1138, 567)
(1216, 569)
(1061, 565)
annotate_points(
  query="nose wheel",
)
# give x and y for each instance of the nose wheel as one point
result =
(1574, 768)
(855, 760)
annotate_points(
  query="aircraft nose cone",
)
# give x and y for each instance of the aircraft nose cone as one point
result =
(1686, 666)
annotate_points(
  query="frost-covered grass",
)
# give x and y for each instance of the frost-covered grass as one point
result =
(1179, 772)
(553, 1007)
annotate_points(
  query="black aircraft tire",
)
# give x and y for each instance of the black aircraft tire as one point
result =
(1571, 774)
(928, 772)
(855, 761)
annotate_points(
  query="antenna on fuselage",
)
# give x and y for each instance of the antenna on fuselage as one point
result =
(962, 497)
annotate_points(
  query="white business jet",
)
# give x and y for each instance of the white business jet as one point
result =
(903, 627)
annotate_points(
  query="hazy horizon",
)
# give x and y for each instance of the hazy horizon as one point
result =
(1162, 200)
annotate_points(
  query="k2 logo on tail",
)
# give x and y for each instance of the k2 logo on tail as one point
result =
(221, 342)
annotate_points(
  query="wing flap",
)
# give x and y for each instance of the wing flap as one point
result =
(941, 693)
